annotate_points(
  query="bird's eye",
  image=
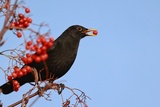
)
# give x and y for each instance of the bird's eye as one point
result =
(79, 28)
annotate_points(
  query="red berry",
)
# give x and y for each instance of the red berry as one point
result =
(34, 56)
(43, 48)
(38, 40)
(24, 71)
(36, 46)
(38, 51)
(20, 74)
(16, 24)
(41, 39)
(44, 57)
(32, 48)
(16, 87)
(20, 15)
(16, 69)
(29, 60)
(12, 25)
(85, 105)
(27, 47)
(49, 44)
(37, 59)
(29, 43)
(19, 34)
(7, 5)
(27, 10)
(28, 55)
(15, 82)
(28, 68)
(25, 19)
(9, 78)
(95, 32)
(20, 26)
(21, 21)
(14, 75)
(26, 24)
(24, 60)
(51, 39)
(29, 20)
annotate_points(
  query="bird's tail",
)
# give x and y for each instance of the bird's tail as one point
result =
(8, 87)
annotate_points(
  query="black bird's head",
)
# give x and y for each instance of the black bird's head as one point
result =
(80, 31)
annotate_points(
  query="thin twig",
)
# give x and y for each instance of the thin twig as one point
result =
(20, 101)
(7, 18)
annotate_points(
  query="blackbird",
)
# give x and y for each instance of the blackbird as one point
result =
(61, 56)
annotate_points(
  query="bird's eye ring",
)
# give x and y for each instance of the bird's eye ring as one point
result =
(79, 28)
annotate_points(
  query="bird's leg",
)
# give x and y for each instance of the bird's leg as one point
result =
(35, 74)
(46, 69)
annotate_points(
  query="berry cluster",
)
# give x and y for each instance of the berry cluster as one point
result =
(39, 50)
(17, 73)
(16, 85)
(20, 22)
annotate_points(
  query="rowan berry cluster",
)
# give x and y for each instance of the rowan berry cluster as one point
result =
(20, 22)
(39, 50)
(17, 73)
(16, 85)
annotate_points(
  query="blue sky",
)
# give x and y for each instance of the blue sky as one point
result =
(118, 68)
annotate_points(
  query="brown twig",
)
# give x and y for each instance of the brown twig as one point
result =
(39, 92)
(80, 99)
(46, 69)
(9, 14)
(20, 101)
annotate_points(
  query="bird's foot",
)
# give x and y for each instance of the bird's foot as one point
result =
(60, 88)
(40, 91)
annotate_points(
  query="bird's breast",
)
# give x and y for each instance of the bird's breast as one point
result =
(61, 59)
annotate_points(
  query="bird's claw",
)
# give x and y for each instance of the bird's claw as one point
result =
(40, 91)
(60, 88)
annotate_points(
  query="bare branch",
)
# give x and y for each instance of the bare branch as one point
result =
(9, 14)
